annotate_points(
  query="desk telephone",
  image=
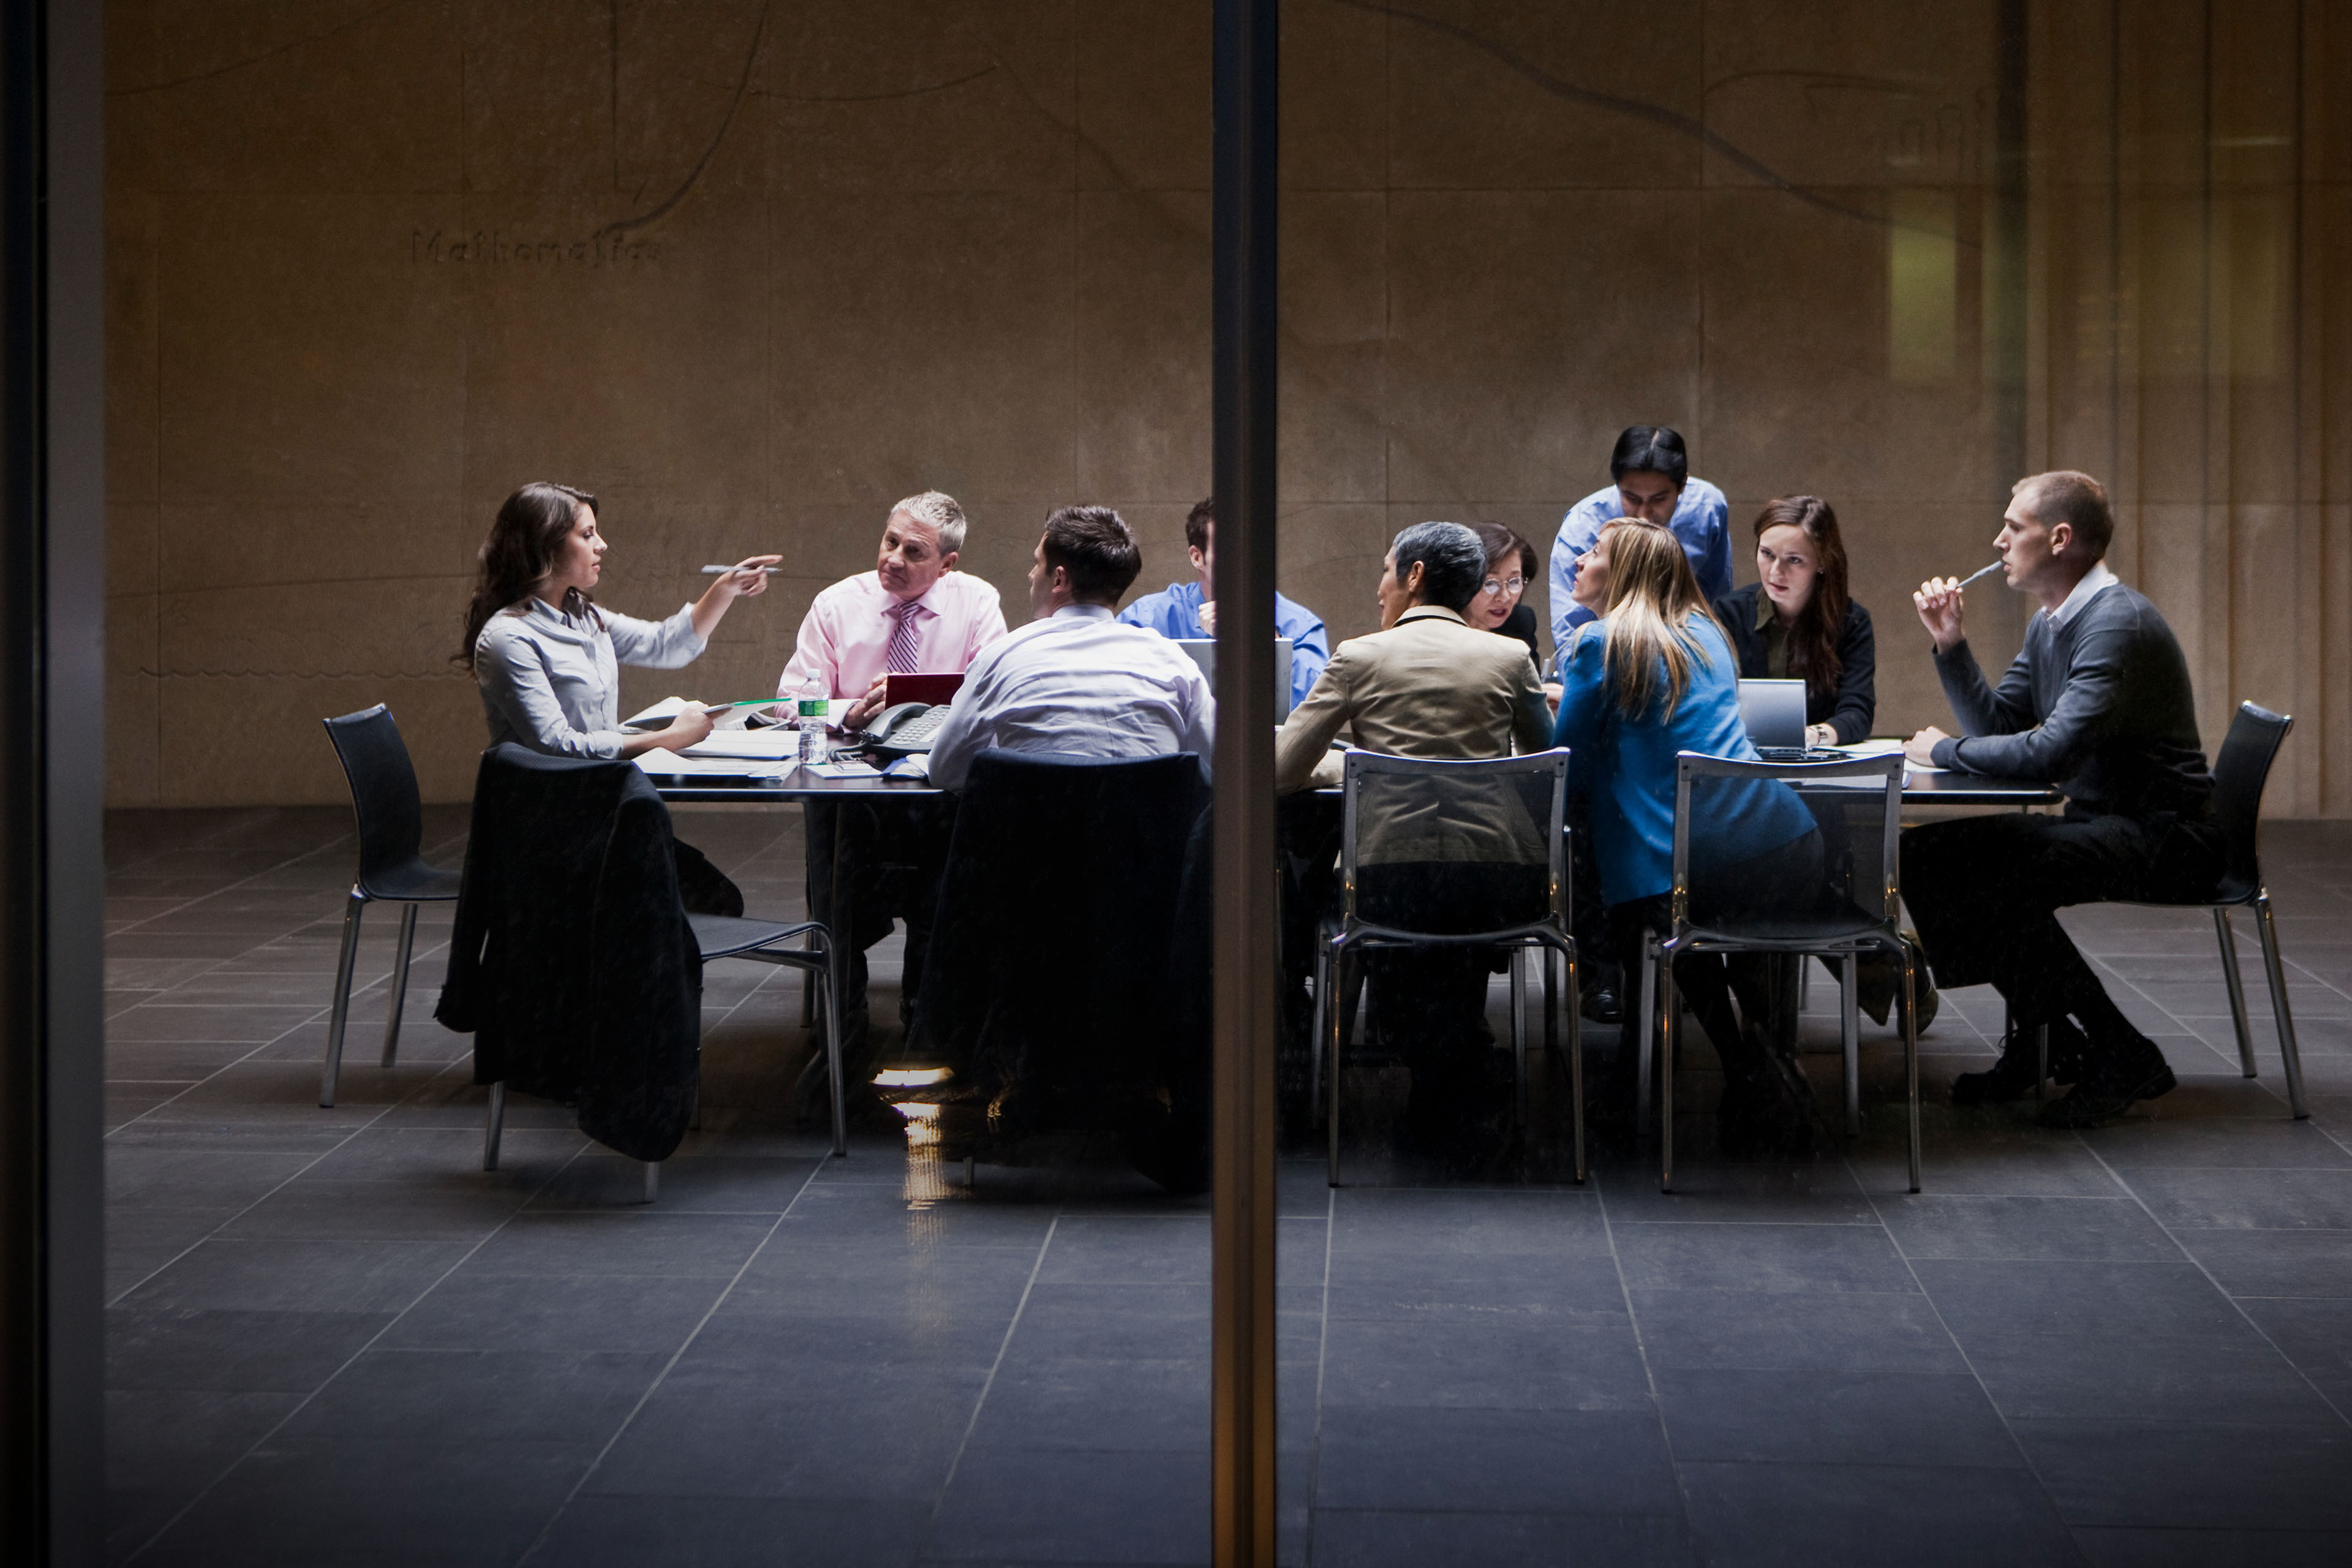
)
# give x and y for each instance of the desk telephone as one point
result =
(909, 727)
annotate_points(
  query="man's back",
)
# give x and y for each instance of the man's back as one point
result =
(1077, 682)
(1431, 686)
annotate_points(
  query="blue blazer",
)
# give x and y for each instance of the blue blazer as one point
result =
(1626, 767)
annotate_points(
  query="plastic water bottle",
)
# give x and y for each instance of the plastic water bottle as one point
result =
(810, 712)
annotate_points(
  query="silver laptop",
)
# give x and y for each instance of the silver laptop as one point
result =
(1774, 713)
(1204, 654)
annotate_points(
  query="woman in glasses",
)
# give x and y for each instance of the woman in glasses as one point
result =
(1510, 565)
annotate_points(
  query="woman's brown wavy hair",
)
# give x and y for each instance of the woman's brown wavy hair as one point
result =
(1813, 640)
(520, 551)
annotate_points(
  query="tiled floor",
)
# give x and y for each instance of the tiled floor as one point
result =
(334, 1338)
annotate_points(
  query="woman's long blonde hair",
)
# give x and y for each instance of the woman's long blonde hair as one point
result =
(1653, 599)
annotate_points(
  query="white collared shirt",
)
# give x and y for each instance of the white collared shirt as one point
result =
(2094, 580)
(1078, 681)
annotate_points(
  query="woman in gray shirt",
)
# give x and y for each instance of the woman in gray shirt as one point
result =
(547, 660)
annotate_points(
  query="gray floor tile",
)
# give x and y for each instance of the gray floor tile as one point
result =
(164, 1447)
(1751, 1256)
(1804, 1193)
(1396, 1539)
(2114, 1548)
(1938, 1420)
(377, 1504)
(523, 1396)
(1500, 1363)
(1108, 1249)
(884, 1438)
(2192, 1475)
(1821, 1331)
(652, 1240)
(2315, 1334)
(1116, 1321)
(267, 1274)
(1055, 1401)
(2273, 1262)
(2137, 1300)
(2258, 1199)
(1010, 1504)
(1858, 1515)
(731, 1532)
(1495, 1461)
(232, 1351)
(470, 1311)
(1930, 1225)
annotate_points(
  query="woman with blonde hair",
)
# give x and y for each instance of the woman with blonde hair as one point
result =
(1655, 677)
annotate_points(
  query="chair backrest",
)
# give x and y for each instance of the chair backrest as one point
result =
(1441, 847)
(1056, 926)
(2239, 776)
(1743, 862)
(384, 789)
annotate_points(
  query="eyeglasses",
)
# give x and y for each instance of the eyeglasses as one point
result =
(1495, 586)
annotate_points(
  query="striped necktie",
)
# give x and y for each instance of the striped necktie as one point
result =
(900, 656)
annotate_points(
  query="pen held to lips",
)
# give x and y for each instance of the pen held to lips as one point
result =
(1965, 581)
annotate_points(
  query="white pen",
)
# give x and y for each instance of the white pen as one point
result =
(1963, 582)
(771, 571)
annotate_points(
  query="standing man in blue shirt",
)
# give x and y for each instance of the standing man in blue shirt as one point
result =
(1651, 479)
(1190, 609)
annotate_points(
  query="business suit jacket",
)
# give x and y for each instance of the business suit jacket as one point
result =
(1431, 686)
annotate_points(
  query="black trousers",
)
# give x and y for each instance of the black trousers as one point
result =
(1780, 881)
(871, 861)
(1984, 894)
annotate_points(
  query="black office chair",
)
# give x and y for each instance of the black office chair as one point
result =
(1858, 806)
(392, 831)
(1053, 991)
(2239, 776)
(1486, 847)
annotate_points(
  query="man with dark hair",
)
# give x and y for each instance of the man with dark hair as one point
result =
(1427, 684)
(2098, 703)
(1649, 477)
(1074, 679)
(1190, 609)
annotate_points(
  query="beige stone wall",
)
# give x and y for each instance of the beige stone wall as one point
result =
(751, 270)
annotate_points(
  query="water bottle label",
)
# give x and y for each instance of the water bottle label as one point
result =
(812, 706)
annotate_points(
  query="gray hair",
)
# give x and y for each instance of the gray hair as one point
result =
(1453, 562)
(938, 511)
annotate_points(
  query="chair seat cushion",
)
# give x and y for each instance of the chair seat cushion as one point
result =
(413, 883)
(719, 935)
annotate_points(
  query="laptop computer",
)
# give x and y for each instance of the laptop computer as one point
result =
(1204, 654)
(1774, 714)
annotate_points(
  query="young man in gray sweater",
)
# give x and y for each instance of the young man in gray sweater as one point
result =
(2097, 703)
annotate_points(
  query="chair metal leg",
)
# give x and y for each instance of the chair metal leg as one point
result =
(1519, 1037)
(1911, 1058)
(492, 1126)
(1849, 1038)
(1575, 1058)
(1341, 1020)
(2281, 1017)
(399, 982)
(832, 973)
(1669, 1038)
(1638, 1039)
(653, 1180)
(2237, 989)
(1323, 1010)
(343, 1004)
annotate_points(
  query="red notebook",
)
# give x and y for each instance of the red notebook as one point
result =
(929, 690)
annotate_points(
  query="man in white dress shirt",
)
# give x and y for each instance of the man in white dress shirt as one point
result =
(1075, 680)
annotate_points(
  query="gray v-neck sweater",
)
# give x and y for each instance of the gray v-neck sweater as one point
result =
(2101, 707)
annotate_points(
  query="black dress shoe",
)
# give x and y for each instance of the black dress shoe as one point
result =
(2112, 1078)
(1601, 1004)
(2014, 1076)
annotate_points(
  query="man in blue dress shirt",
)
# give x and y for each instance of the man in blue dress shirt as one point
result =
(1650, 479)
(1190, 609)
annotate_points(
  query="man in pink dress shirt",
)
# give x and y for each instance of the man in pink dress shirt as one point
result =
(872, 860)
(913, 613)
